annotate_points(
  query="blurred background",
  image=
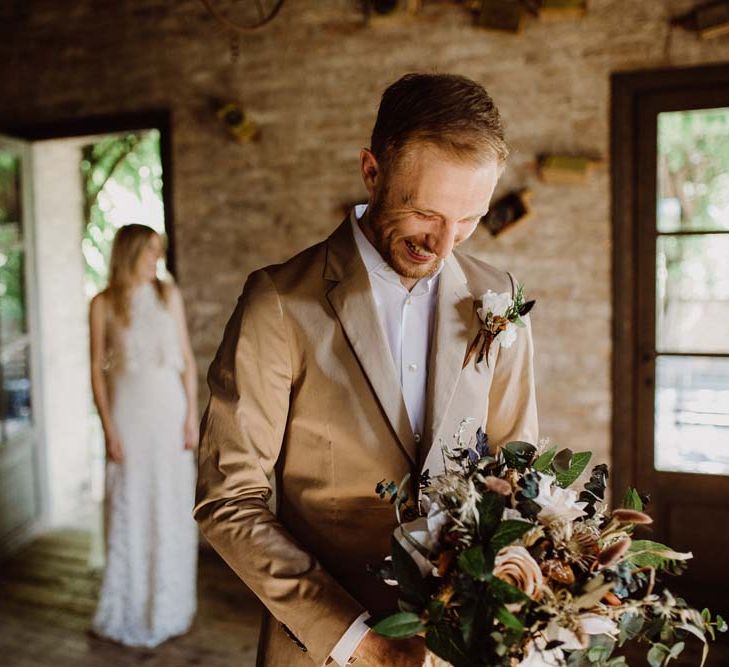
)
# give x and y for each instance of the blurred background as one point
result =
(234, 126)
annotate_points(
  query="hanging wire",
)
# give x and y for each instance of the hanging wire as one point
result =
(265, 17)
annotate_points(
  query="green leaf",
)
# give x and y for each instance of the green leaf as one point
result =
(657, 655)
(676, 649)
(577, 467)
(446, 643)
(667, 634)
(518, 454)
(632, 500)
(503, 592)
(544, 460)
(598, 653)
(466, 617)
(645, 553)
(473, 563)
(507, 532)
(509, 620)
(412, 585)
(490, 511)
(578, 659)
(630, 625)
(399, 626)
(475, 617)
(721, 624)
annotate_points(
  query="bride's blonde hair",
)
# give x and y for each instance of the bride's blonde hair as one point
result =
(129, 242)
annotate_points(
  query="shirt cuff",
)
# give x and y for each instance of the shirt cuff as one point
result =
(350, 640)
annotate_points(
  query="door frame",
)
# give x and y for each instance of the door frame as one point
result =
(160, 119)
(635, 95)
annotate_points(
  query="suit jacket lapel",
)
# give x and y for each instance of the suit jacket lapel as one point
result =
(352, 300)
(454, 324)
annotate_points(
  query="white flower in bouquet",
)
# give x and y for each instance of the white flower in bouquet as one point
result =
(496, 304)
(595, 624)
(557, 504)
(418, 531)
(425, 530)
(588, 623)
(437, 519)
(511, 514)
(537, 656)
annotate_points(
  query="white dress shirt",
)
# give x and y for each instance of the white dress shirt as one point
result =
(407, 319)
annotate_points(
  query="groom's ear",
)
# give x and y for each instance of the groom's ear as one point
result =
(370, 169)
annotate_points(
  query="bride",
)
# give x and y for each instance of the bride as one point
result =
(144, 385)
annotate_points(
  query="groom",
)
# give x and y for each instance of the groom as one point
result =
(345, 365)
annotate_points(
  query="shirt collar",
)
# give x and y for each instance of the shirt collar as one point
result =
(373, 261)
(370, 256)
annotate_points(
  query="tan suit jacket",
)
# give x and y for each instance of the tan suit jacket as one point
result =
(304, 387)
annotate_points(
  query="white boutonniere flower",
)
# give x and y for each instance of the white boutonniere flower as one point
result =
(500, 317)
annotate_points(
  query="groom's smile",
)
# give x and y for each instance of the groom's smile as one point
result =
(424, 205)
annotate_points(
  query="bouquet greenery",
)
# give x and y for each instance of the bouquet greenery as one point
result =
(503, 563)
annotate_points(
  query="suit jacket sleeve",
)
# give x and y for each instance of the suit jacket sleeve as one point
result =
(512, 412)
(241, 436)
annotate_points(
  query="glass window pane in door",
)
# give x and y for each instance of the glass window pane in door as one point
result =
(692, 415)
(693, 170)
(15, 406)
(692, 293)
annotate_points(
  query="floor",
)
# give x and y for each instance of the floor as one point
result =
(47, 597)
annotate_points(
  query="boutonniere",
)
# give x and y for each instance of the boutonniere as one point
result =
(500, 315)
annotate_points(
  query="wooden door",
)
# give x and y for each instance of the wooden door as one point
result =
(671, 368)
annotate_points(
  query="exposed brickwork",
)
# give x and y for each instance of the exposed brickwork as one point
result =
(313, 79)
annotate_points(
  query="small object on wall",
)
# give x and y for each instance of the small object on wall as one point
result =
(556, 10)
(239, 125)
(709, 20)
(566, 169)
(507, 211)
(378, 11)
(501, 15)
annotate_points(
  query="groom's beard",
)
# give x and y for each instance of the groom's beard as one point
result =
(390, 244)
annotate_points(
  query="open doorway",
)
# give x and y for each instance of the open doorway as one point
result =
(87, 181)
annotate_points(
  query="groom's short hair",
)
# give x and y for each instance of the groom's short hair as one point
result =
(450, 111)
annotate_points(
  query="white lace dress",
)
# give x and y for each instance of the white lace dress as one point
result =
(148, 591)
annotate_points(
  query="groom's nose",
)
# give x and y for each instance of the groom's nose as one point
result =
(443, 239)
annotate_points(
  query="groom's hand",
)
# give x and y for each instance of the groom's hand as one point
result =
(377, 650)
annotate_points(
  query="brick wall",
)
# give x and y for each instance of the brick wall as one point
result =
(313, 80)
